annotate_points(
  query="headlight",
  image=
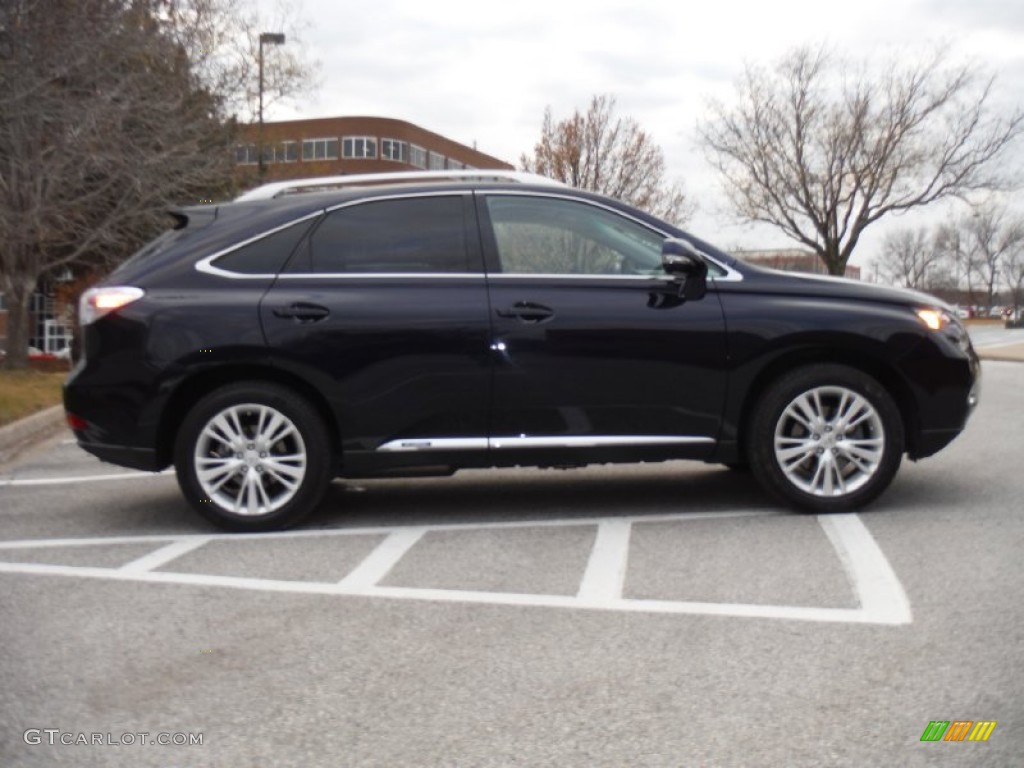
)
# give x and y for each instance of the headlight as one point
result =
(936, 319)
(97, 302)
(942, 321)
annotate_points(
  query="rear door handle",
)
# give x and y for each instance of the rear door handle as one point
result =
(528, 312)
(303, 312)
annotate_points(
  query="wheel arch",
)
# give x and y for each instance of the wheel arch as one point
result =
(860, 360)
(195, 387)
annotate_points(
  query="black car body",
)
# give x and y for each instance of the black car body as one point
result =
(432, 325)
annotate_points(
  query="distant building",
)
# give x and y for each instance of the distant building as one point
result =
(49, 330)
(333, 146)
(792, 260)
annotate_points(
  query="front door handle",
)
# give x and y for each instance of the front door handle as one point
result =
(303, 312)
(528, 312)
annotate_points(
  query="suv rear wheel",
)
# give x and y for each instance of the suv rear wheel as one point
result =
(826, 438)
(253, 456)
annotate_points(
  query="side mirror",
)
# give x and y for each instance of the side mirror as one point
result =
(686, 264)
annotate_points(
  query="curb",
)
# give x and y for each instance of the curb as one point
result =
(24, 433)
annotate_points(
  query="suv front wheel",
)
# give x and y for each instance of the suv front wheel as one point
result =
(253, 456)
(826, 438)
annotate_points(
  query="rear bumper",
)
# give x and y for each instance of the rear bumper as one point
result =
(135, 458)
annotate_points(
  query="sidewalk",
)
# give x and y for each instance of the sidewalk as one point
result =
(1009, 352)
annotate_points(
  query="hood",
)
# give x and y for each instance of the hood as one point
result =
(836, 287)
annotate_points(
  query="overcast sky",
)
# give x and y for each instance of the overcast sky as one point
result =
(484, 72)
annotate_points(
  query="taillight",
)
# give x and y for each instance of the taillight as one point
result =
(97, 302)
(77, 423)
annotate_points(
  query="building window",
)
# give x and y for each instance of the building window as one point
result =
(286, 152)
(417, 156)
(455, 165)
(277, 152)
(359, 146)
(245, 154)
(436, 161)
(320, 149)
(393, 149)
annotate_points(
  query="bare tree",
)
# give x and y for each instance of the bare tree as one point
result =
(994, 237)
(1013, 278)
(611, 155)
(911, 258)
(110, 111)
(221, 39)
(951, 241)
(821, 149)
(101, 124)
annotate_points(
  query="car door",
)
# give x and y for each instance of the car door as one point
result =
(384, 310)
(593, 347)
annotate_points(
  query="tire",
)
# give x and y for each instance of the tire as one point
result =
(825, 438)
(253, 456)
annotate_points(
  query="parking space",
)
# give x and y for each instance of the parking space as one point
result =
(649, 615)
(663, 564)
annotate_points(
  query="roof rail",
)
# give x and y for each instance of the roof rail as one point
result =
(280, 188)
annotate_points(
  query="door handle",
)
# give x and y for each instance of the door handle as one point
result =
(528, 312)
(304, 313)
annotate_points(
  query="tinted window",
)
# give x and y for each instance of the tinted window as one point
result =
(417, 234)
(267, 255)
(542, 235)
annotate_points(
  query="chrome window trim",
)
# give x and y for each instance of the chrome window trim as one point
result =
(572, 276)
(380, 275)
(514, 442)
(731, 275)
(206, 266)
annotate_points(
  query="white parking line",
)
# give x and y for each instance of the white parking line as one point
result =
(164, 555)
(873, 582)
(378, 530)
(880, 593)
(606, 570)
(378, 563)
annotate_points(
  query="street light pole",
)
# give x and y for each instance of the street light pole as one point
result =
(266, 38)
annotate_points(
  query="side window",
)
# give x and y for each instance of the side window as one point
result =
(267, 255)
(545, 235)
(416, 234)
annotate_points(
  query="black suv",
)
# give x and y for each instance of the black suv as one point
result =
(423, 323)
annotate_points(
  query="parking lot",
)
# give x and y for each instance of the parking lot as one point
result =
(650, 615)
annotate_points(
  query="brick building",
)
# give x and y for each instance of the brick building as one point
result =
(332, 146)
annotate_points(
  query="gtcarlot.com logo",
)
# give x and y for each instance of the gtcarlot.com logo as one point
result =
(55, 736)
(958, 730)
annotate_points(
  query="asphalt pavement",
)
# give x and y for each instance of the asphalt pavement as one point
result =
(650, 615)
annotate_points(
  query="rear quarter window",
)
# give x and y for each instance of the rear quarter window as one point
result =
(267, 255)
(408, 235)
